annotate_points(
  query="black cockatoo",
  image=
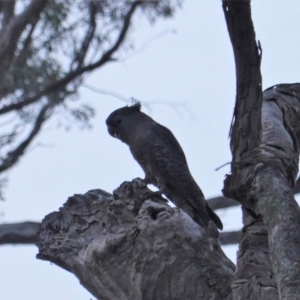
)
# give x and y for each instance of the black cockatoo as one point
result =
(159, 154)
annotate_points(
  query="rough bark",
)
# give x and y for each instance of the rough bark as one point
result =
(245, 134)
(273, 185)
(26, 233)
(265, 146)
(126, 247)
(254, 277)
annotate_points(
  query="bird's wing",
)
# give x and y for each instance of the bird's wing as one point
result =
(171, 165)
(166, 139)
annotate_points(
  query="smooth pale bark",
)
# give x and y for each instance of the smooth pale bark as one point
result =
(125, 247)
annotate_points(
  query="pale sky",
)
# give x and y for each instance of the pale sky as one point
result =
(192, 71)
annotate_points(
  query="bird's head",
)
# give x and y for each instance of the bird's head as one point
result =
(122, 122)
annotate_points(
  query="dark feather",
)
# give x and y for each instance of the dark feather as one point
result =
(159, 154)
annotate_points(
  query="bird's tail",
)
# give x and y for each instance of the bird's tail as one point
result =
(214, 217)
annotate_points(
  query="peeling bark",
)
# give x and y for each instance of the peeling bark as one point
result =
(265, 146)
(124, 247)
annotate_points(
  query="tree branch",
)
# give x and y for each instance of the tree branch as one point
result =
(8, 9)
(10, 34)
(13, 156)
(221, 202)
(123, 247)
(230, 237)
(18, 233)
(27, 42)
(106, 57)
(79, 58)
(246, 129)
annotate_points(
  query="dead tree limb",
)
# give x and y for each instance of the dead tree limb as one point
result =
(18, 233)
(221, 202)
(124, 247)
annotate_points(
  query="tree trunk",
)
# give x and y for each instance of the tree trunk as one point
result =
(265, 141)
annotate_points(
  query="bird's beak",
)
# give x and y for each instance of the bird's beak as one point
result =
(112, 132)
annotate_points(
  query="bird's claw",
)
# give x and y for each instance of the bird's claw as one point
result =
(152, 195)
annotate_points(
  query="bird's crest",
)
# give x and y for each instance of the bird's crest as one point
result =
(126, 110)
(135, 106)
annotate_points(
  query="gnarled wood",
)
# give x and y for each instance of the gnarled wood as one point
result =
(123, 247)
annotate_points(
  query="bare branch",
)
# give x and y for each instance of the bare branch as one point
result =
(79, 58)
(8, 8)
(13, 156)
(18, 233)
(246, 129)
(27, 42)
(106, 92)
(221, 202)
(230, 237)
(10, 34)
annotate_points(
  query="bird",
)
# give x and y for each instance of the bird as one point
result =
(162, 159)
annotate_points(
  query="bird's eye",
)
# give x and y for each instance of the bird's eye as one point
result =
(118, 120)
